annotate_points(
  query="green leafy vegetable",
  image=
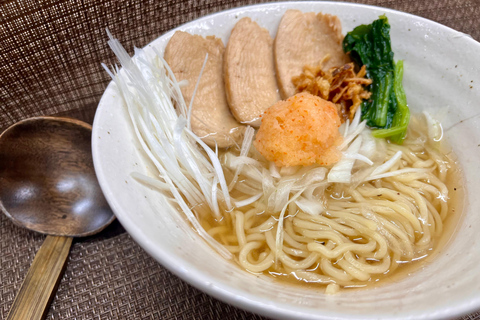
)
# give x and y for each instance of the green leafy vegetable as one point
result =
(387, 109)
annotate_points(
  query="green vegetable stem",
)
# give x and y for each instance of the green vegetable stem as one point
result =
(386, 111)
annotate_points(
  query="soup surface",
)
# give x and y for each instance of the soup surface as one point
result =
(369, 231)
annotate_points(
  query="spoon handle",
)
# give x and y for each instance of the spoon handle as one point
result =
(42, 279)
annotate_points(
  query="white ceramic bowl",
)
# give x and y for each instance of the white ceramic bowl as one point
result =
(442, 72)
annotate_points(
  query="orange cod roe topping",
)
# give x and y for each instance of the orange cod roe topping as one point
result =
(301, 130)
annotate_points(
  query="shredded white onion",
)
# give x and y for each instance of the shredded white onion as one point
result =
(357, 156)
(246, 202)
(396, 173)
(388, 164)
(310, 206)
(150, 92)
(195, 175)
(435, 129)
(342, 171)
(247, 142)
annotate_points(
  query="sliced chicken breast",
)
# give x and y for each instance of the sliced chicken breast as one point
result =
(306, 39)
(211, 118)
(250, 82)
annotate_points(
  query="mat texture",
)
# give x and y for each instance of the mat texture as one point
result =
(50, 54)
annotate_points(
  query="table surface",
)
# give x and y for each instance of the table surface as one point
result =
(50, 54)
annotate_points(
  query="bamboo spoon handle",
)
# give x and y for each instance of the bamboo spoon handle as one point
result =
(42, 279)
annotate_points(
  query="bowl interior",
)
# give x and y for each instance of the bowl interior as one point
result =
(442, 76)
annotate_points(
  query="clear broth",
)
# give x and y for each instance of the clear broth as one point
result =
(456, 201)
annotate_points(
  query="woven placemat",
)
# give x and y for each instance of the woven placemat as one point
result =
(50, 55)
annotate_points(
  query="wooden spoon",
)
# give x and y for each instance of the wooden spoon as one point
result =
(48, 185)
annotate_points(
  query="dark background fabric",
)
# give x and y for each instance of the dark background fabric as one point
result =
(50, 55)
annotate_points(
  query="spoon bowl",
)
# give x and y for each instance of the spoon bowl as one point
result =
(48, 185)
(47, 179)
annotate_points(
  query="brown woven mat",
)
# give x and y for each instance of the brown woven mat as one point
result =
(50, 54)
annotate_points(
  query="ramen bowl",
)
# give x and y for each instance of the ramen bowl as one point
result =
(442, 76)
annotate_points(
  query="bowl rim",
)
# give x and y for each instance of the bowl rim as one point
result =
(224, 292)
